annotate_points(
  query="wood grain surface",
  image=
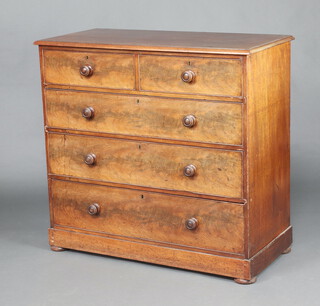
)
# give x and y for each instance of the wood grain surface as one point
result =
(110, 70)
(146, 40)
(216, 77)
(179, 258)
(154, 117)
(219, 172)
(185, 259)
(239, 198)
(271, 251)
(268, 132)
(149, 216)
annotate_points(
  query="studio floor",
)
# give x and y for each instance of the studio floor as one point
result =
(31, 274)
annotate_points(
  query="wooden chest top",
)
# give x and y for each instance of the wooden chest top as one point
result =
(171, 41)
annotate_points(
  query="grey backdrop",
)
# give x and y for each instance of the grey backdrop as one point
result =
(30, 274)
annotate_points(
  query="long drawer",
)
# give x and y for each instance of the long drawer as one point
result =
(149, 216)
(89, 69)
(176, 119)
(172, 167)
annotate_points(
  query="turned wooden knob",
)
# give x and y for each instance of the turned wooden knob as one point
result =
(88, 113)
(189, 121)
(90, 159)
(189, 170)
(86, 70)
(94, 209)
(192, 224)
(188, 76)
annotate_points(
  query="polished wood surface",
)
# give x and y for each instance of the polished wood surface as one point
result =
(212, 76)
(109, 70)
(219, 172)
(205, 42)
(140, 93)
(147, 188)
(149, 216)
(245, 269)
(268, 145)
(170, 147)
(145, 116)
(271, 251)
(151, 253)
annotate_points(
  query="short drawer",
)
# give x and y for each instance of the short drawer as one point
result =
(191, 75)
(176, 119)
(196, 223)
(107, 70)
(173, 167)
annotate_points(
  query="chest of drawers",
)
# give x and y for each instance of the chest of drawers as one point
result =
(169, 147)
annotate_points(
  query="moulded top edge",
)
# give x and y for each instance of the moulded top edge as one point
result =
(167, 41)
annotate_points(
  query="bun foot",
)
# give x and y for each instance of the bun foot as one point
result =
(286, 251)
(56, 248)
(245, 281)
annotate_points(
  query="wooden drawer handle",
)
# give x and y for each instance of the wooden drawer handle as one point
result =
(90, 159)
(94, 209)
(189, 121)
(189, 170)
(188, 76)
(192, 224)
(88, 113)
(86, 70)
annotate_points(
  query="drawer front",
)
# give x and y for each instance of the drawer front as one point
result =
(148, 215)
(144, 116)
(211, 76)
(216, 172)
(108, 70)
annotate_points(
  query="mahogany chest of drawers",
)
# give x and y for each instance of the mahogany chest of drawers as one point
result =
(169, 147)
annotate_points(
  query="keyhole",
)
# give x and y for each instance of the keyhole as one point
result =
(139, 146)
(142, 196)
(138, 101)
(189, 63)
